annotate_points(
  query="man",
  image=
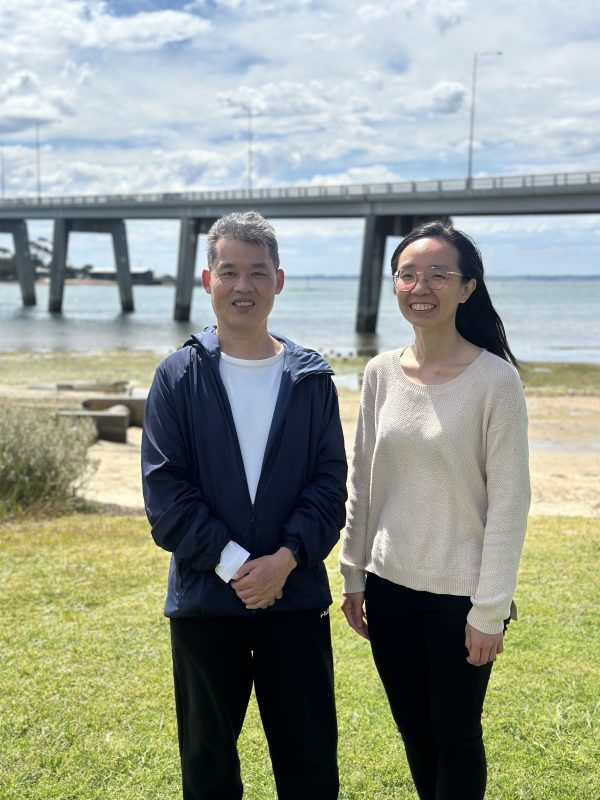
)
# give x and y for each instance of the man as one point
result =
(244, 477)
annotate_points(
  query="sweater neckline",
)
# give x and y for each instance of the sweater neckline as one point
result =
(435, 388)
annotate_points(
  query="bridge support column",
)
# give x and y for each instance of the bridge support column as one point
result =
(186, 264)
(116, 228)
(121, 251)
(25, 269)
(377, 229)
(58, 267)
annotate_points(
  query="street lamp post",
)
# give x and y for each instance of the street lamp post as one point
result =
(2, 167)
(247, 107)
(38, 160)
(476, 57)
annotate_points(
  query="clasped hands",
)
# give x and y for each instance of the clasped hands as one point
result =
(260, 581)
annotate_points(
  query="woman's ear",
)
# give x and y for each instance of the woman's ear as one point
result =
(468, 289)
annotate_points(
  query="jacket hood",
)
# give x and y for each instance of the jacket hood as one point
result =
(299, 360)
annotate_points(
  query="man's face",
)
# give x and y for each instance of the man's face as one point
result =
(242, 284)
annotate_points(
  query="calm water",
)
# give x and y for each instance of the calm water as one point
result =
(546, 320)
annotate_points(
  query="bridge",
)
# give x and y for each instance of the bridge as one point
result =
(389, 209)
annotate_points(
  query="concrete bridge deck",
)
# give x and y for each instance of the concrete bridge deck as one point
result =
(388, 209)
(560, 193)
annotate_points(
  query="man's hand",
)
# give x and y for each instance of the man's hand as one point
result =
(353, 608)
(482, 647)
(259, 582)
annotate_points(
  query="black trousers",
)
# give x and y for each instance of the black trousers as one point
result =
(436, 697)
(288, 659)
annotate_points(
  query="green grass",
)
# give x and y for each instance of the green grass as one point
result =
(558, 378)
(138, 365)
(73, 365)
(85, 687)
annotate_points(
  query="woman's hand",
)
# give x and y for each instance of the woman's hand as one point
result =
(482, 647)
(353, 608)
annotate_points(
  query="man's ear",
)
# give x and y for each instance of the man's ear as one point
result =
(280, 280)
(206, 280)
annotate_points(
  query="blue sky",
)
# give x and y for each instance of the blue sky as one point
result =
(145, 96)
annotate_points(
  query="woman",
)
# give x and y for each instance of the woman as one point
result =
(438, 509)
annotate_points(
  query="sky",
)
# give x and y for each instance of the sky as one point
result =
(132, 96)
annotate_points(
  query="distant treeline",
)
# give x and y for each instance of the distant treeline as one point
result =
(40, 252)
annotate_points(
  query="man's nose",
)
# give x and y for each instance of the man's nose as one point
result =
(243, 282)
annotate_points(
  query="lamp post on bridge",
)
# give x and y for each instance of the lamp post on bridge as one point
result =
(476, 58)
(2, 167)
(249, 110)
(38, 160)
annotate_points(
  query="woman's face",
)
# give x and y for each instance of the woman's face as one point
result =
(426, 305)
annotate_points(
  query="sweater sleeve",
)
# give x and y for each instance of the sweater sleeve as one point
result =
(508, 493)
(354, 556)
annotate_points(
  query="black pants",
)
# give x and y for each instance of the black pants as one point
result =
(287, 656)
(436, 697)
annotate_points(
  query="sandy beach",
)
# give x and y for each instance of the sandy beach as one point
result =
(564, 445)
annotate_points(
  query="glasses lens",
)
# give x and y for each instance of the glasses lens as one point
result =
(437, 278)
(405, 279)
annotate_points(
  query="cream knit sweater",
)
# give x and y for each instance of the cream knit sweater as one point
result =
(440, 487)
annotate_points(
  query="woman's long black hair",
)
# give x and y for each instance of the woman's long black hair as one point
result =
(476, 320)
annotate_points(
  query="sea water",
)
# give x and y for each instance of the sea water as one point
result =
(546, 319)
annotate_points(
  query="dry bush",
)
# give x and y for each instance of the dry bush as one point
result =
(43, 459)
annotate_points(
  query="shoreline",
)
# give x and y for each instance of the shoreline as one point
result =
(564, 435)
(563, 402)
(563, 474)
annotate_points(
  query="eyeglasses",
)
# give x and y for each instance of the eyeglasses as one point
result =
(435, 278)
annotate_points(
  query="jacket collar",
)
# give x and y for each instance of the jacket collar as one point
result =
(298, 360)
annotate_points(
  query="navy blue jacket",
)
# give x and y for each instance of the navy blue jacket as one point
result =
(195, 487)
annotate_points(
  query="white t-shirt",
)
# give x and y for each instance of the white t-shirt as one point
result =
(252, 387)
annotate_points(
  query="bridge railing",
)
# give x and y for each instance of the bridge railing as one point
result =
(493, 184)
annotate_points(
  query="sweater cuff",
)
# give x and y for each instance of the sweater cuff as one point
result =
(486, 620)
(354, 579)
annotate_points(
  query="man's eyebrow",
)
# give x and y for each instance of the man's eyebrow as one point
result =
(226, 264)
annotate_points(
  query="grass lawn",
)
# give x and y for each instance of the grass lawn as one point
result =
(86, 698)
(138, 365)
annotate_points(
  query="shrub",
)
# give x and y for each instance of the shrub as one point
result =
(43, 459)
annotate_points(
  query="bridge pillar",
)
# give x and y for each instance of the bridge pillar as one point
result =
(58, 267)
(186, 264)
(116, 228)
(377, 229)
(25, 269)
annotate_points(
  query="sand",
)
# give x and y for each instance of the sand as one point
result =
(564, 444)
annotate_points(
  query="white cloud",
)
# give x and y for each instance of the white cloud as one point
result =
(88, 24)
(24, 101)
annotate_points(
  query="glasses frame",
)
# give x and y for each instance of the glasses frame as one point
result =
(410, 286)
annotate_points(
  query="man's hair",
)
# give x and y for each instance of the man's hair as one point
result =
(243, 226)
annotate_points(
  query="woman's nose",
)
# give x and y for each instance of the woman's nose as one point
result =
(420, 283)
